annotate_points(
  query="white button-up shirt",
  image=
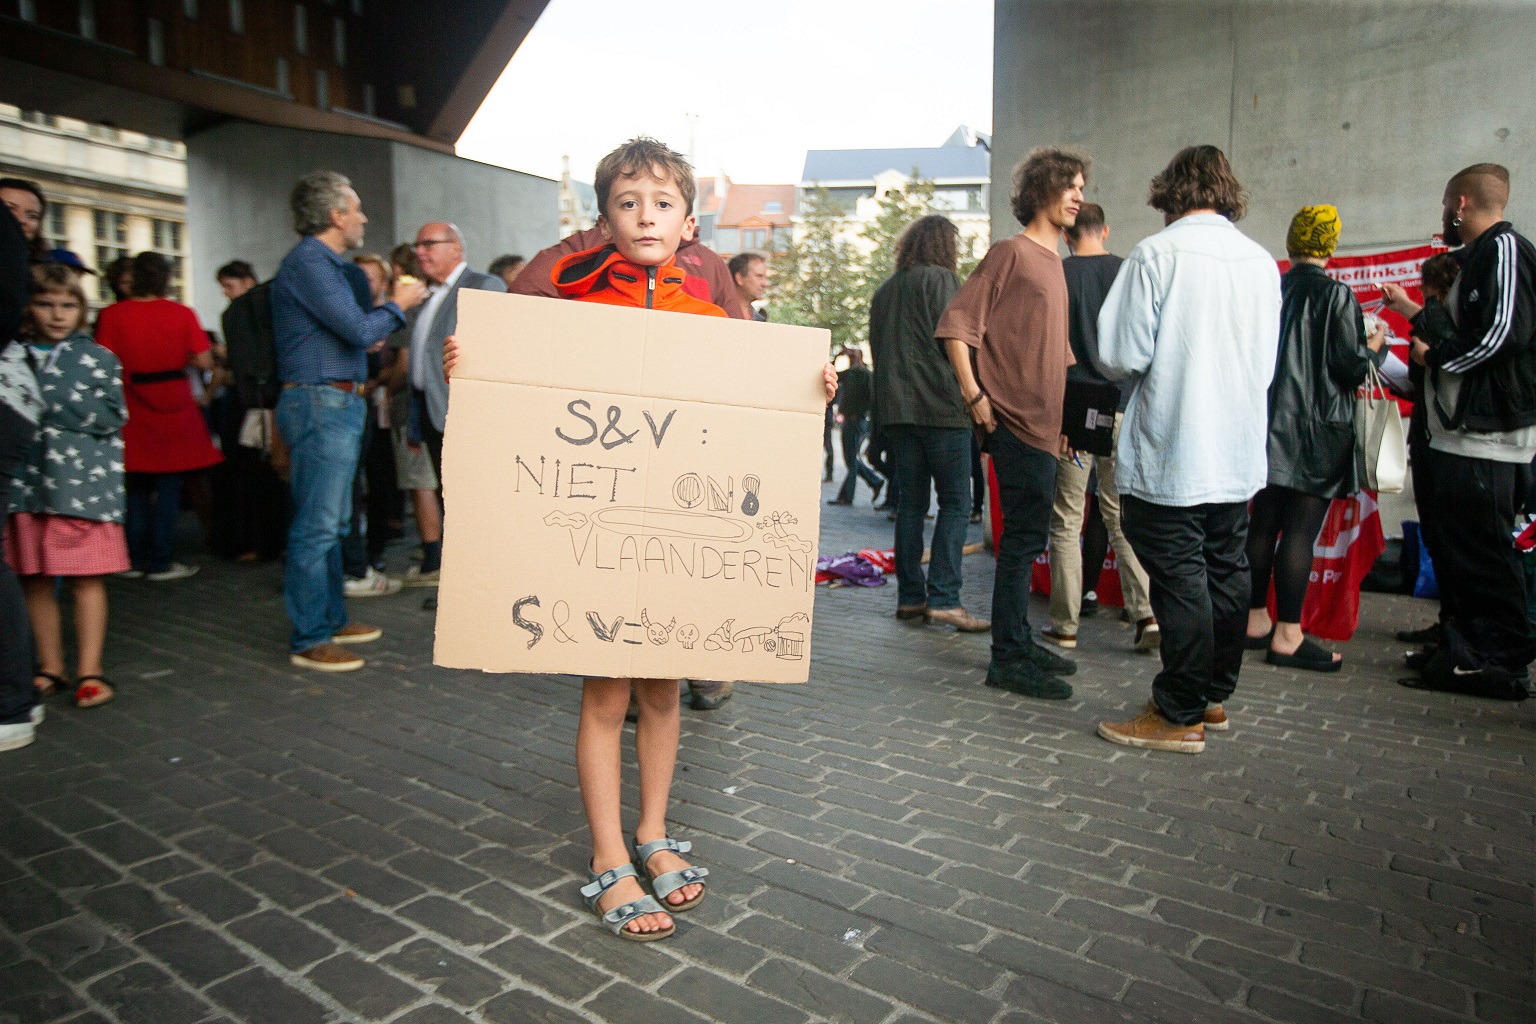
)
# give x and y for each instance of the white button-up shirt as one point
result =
(420, 337)
(1194, 320)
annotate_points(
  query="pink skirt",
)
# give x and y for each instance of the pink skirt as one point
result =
(46, 545)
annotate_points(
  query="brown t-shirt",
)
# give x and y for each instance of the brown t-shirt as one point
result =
(1013, 312)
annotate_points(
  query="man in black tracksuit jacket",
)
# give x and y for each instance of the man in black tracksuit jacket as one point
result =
(1481, 399)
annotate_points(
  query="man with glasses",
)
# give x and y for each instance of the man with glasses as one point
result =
(439, 248)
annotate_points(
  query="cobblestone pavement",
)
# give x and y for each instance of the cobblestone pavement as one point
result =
(232, 840)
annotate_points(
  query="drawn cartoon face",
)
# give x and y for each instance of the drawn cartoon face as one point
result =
(688, 636)
(655, 632)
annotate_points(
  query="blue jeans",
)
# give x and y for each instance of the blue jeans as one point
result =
(323, 428)
(942, 455)
(151, 512)
(853, 436)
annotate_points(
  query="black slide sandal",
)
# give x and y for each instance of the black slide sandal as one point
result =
(1257, 643)
(1307, 656)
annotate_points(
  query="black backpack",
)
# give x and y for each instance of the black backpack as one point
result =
(252, 348)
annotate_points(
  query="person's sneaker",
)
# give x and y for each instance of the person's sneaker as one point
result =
(17, 735)
(1149, 637)
(1027, 679)
(1430, 634)
(1416, 660)
(1216, 718)
(375, 584)
(708, 696)
(1090, 604)
(174, 571)
(1151, 731)
(414, 577)
(1066, 641)
(37, 714)
(357, 633)
(327, 658)
(911, 611)
(961, 619)
(1048, 661)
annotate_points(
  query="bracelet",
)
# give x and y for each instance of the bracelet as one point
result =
(979, 396)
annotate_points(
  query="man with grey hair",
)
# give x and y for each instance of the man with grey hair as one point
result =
(321, 336)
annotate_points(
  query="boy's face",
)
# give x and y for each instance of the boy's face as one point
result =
(646, 218)
(56, 315)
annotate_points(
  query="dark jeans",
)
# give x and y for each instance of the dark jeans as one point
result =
(924, 455)
(153, 509)
(375, 500)
(17, 694)
(1197, 566)
(1026, 480)
(250, 501)
(978, 474)
(1482, 581)
(1292, 518)
(853, 436)
(881, 452)
(1421, 463)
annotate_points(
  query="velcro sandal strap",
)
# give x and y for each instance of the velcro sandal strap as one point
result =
(667, 884)
(607, 880)
(646, 852)
(624, 913)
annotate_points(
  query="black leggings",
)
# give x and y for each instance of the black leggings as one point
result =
(1294, 518)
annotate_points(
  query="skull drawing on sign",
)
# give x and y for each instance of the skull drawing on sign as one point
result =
(655, 632)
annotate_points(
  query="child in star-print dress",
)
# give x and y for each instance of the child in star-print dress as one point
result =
(66, 502)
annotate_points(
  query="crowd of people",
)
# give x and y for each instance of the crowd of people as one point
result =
(1231, 392)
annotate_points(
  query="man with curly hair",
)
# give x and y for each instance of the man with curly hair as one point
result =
(1193, 322)
(1011, 317)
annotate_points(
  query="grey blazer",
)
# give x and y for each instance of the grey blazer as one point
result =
(443, 324)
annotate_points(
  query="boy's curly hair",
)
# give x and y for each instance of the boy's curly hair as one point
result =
(644, 155)
(1198, 178)
(1438, 273)
(1042, 176)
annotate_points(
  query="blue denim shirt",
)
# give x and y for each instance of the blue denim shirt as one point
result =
(320, 331)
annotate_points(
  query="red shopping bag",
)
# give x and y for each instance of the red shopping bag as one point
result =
(1347, 547)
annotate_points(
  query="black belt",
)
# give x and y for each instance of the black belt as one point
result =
(157, 376)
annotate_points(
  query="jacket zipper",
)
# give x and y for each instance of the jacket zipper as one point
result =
(650, 287)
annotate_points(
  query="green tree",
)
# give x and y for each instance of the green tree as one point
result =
(898, 208)
(819, 281)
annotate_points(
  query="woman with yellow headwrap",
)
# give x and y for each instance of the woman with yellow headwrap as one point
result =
(1324, 355)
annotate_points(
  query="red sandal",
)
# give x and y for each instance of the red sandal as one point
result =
(93, 690)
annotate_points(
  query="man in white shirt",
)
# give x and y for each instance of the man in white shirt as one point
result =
(1193, 320)
(439, 250)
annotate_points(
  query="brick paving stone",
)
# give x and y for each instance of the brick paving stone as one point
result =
(725, 1002)
(143, 994)
(285, 939)
(523, 1007)
(824, 998)
(364, 928)
(453, 919)
(258, 997)
(367, 990)
(457, 978)
(197, 954)
(72, 868)
(131, 908)
(31, 992)
(929, 994)
(213, 896)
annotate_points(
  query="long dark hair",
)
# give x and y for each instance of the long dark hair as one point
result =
(151, 275)
(1198, 178)
(928, 241)
(37, 245)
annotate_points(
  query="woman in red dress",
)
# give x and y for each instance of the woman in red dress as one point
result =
(165, 436)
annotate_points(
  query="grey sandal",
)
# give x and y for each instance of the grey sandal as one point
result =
(624, 913)
(666, 884)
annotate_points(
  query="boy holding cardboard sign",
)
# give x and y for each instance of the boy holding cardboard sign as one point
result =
(646, 193)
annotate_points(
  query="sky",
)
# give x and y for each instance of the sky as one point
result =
(747, 88)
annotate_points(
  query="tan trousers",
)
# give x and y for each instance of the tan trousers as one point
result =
(1066, 548)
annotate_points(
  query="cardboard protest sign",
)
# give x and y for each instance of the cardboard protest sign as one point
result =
(630, 492)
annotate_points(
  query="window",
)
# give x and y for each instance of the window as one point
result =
(111, 243)
(237, 17)
(755, 239)
(322, 90)
(339, 42)
(156, 43)
(725, 240)
(88, 19)
(282, 75)
(166, 236)
(38, 117)
(57, 232)
(300, 29)
(773, 206)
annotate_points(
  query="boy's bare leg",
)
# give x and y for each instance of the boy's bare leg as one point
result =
(429, 515)
(656, 739)
(90, 624)
(598, 735)
(43, 610)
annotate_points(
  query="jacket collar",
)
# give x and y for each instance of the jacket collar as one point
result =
(604, 269)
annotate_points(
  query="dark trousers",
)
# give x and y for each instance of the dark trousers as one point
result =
(881, 452)
(1197, 566)
(854, 432)
(978, 475)
(929, 457)
(17, 695)
(1026, 479)
(827, 423)
(1282, 533)
(152, 511)
(1482, 582)
(375, 501)
(1421, 462)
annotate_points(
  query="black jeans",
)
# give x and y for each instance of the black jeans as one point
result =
(17, 694)
(1026, 480)
(1482, 582)
(1197, 566)
(153, 509)
(853, 434)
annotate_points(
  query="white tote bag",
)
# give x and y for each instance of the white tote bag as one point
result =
(1381, 450)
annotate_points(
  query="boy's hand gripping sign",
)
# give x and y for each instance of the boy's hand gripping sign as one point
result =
(630, 492)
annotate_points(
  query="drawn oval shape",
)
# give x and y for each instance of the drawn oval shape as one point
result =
(637, 521)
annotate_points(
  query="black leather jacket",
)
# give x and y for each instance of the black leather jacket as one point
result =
(1322, 360)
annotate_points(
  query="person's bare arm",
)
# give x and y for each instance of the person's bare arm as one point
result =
(976, 402)
(202, 360)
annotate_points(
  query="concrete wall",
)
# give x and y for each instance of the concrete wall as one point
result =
(239, 176)
(1367, 104)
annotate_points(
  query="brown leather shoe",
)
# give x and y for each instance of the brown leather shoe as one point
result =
(357, 633)
(1216, 718)
(327, 658)
(911, 611)
(961, 619)
(1151, 731)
